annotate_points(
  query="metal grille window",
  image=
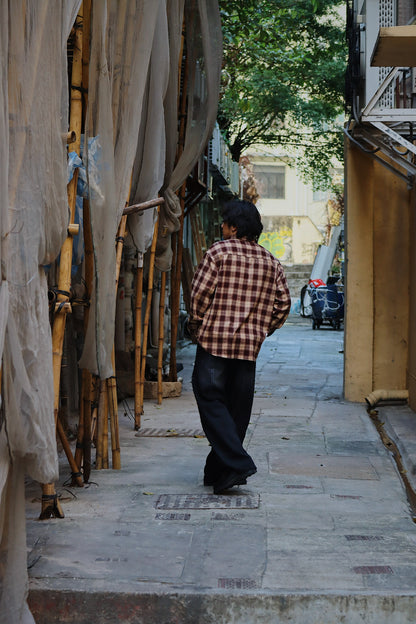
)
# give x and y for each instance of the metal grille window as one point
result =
(270, 181)
(387, 17)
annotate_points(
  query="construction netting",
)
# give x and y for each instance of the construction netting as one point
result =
(130, 153)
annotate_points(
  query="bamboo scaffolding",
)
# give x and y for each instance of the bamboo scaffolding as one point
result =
(50, 503)
(147, 316)
(138, 398)
(161, 338)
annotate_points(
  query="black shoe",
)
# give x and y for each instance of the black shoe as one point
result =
(229, 479)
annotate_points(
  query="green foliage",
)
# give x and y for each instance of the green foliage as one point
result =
(283, 79)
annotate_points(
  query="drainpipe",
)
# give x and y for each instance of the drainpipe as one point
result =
(390, 396)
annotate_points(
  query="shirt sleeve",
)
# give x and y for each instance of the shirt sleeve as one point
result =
(282, 302)
(203, 288)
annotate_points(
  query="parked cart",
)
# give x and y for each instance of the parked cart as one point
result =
(327, 303)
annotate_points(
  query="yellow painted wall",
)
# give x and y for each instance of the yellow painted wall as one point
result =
(294, 240)
(377, 277)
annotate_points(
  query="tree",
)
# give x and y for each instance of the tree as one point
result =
(283, 80)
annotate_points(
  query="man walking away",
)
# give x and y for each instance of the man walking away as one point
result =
(239, 296)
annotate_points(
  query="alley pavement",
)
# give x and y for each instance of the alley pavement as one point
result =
(323, 533)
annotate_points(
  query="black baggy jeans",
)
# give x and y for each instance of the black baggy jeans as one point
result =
(224, 391)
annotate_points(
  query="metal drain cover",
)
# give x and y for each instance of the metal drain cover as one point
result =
(373, 569)
(237, 583)
(207, 501)
(152, 432)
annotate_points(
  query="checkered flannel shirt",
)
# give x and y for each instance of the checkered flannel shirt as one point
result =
(239, 296)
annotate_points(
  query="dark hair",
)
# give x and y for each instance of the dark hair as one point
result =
(245, 217)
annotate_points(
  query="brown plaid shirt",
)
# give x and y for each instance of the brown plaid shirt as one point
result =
(239, 296)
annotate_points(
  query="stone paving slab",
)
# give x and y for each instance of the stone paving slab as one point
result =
(336, 467)
(321, 534)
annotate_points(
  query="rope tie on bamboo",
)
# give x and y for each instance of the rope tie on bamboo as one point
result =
(61, 306)
(76, 474)
(119, 239)
(79, 88)
(75, 301)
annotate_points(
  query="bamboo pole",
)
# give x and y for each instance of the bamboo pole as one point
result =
(148, 308)
(104, 431)
(151, 203)
(64, 279)
(111, 381)
(161, 338)
(115, 439)
(83, 450)
(176, 291)
(177, 240)
(101, 417)
(196, 237)
(83, 445)
(138, 398)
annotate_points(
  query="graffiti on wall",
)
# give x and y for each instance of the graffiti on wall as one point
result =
(279, 243)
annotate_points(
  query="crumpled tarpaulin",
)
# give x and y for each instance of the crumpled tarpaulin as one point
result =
(133, 108)
(204, 57)
(122, 34)
(33, 220)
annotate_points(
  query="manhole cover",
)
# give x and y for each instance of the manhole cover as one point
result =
(207, 501)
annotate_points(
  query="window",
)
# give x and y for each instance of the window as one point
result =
(270, 181)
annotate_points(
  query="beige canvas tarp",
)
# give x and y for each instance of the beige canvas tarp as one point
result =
(33, 219)
(133, 112)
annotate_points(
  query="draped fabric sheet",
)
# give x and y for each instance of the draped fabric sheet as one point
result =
(121, 46)
(204, 57)
(33, 219)
(133, 114)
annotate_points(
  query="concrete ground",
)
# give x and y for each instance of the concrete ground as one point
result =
(322, 534)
